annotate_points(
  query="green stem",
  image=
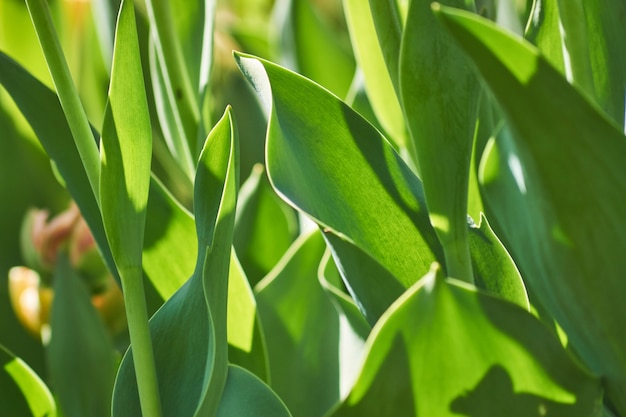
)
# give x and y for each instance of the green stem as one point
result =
(66, 90)
(171, 56)
(574, 32)
(141, 342)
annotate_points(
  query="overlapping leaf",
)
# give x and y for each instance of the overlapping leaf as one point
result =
(439, 91)
(303, 328)
(189, 331)
(328, 162)
(555, 189)
(426, 358)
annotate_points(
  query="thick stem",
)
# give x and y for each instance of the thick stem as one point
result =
(141, 342)
(66, 90)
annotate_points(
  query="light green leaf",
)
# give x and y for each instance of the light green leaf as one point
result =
(329, 163)
(170, 246)
(502, 362)
(389, 25)
(378, 81)
(126, 148)
(265, 226)
(22, 392)
(246, 395)
(303, 330)
(189, 331)
(555, 189)
(246, 339)
(80, 353)
(440, 96)
(494, 270)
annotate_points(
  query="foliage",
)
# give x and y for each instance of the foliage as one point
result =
(369, 209)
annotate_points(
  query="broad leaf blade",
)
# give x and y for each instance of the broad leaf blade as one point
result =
(503, 362)
(328, 162)
(562, 177)
(22, 392)
(80, 353)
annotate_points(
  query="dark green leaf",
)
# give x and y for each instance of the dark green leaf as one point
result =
(80, 353)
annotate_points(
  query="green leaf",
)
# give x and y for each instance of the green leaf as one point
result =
(303, 330)
(543, 31)
(22, 392)
(305, 37)
(246, 338)
(378, 81)
(265, 226)
(170, 246)
(605, 34)
(246, 395)
(80, 353)
(494, 270)
(126, 153)
(440, 96)
(502, 362)
(555, 189)
(328, 162)
(189, 331)
(362, 273)
(126, 148)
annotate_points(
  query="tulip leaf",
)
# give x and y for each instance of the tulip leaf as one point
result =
(509, 364)
(22, 392)
(246, 395)
(82, 363)
(126, 148)
(439, 92)
(189, 331)
(303, 326)
(265, 226)
(328, 162)
(554, 186)
(378, 81)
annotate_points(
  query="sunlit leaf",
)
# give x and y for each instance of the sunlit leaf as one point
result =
(22, 392)
(554, 186)
(509, 364)
(189, 331)
(328, 162)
